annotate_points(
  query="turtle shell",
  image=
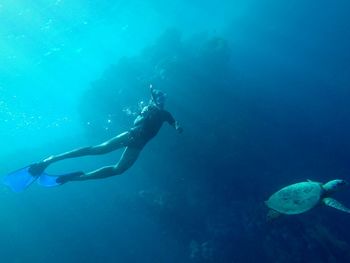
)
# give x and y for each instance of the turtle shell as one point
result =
(296, 198)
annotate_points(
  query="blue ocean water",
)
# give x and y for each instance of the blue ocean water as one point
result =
(261, 89)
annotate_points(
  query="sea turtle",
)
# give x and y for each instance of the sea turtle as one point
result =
(301, 197)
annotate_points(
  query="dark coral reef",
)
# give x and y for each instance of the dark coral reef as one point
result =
(236, 149)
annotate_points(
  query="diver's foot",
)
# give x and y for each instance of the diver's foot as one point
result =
(37, 168)
(69, 177)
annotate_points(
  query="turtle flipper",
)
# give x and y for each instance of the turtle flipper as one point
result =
(271, 215)
(335, 204)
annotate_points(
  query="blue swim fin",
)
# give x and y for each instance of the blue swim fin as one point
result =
(19, 180)
(46, 180)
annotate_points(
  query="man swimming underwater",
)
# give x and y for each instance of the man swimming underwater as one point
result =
(146, 126)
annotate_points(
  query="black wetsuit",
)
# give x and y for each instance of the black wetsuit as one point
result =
(147, 125)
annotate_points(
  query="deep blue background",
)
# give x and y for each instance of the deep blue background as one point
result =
(261, 89)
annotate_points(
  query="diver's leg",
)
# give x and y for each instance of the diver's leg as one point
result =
(117, 142)
(127, 159)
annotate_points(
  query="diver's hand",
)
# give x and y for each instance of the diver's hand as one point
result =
(179, 129)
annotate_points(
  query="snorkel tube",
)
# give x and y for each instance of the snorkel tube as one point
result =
(158, 97)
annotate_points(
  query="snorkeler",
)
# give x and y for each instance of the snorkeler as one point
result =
(146, 126)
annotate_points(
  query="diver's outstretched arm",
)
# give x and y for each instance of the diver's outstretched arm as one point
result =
(177, 127)
(171, 120)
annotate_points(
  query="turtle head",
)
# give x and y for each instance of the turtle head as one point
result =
(334, 185)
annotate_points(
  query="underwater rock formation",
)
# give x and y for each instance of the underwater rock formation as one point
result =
(231, 155)
(171, 64)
